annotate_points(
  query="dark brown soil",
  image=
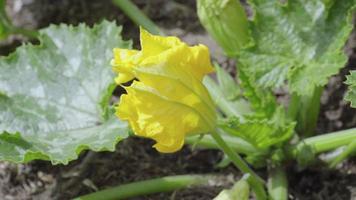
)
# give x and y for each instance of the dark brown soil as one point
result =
(134, 158)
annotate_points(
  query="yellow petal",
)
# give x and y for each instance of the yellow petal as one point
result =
(123, 63)
(151, 115)
(157, 50)
(152, 45)
(123, 78)
(189, 92)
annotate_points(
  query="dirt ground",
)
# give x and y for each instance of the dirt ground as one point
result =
(134, 158)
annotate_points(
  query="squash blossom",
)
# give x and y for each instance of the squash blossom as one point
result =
(167, 99)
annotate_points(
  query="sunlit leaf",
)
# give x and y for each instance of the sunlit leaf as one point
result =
(299, 42)
(54, 96)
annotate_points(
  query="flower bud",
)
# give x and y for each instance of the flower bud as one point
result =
(226, 22)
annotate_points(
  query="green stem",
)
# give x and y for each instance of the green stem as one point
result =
(305, 109)
(237, 144)
(293, 107)
(4, 20)
(10, 28)
(25, 32)
(137, 16)
(256, 182)
(327, 142)
(277, 184)
(347, 152)
(164, 184)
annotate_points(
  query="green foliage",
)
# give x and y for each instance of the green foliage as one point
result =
(262, 133)
(298, 41)
(5, 25)
(259, 121)
(349, 151)
(227, 84)
(54, 97)
(230, 105)
(240, 191)
(226, 22)
(304, 154)
(351, 92)
(262, 101)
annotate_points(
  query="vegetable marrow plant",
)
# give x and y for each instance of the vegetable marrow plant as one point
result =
(56, 97)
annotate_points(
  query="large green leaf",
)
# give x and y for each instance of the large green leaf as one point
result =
(299, 41)
(54, 97)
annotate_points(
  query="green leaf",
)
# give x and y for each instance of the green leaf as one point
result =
(262, 101)
(228, 85)
(237, 107)
(240, 191)
(262, 133)
(299, 42)
(351, 92)
(54, 97)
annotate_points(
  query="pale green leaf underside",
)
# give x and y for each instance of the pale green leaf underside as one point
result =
(237, 107)
(299, 42)
(52, 95)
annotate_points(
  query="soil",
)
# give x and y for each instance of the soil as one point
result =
(134, 158)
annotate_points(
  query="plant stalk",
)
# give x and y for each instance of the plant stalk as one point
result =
(164, 184)
(347, 152)
(137, 16)
(32, 34)
(327, 142)
(277, 184)
(305, 110)
(10, 28)
(256, 182)
(237, 144)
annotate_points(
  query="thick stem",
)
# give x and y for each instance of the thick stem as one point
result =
(164, 184)
(305, 110)
(277, 184)
(237, 144)
(330, 141)
(137, 16)
(327, 142)
(256, 182)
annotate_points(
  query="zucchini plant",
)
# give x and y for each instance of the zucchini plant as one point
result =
(56, 97)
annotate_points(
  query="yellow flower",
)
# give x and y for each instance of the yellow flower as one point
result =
(169, 100)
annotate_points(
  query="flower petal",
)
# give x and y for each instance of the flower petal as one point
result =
(151, 115)
(153, 44)
(189, 92)
(123, 63)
